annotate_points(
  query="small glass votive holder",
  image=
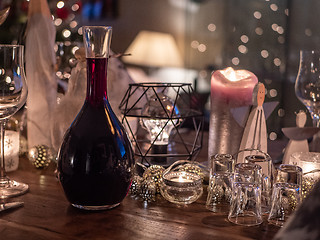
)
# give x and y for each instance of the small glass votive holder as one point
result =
(287, 173)
(267, 179)
(219, 189)
(310, 164)
(286, 194)
(181, 186)
(245, 206)
(247, 173)
(309, 179)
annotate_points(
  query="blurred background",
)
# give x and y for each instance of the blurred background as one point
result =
(263, 36)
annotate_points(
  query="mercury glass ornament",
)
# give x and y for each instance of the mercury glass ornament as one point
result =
(135, 185)
(40, 156)
(192, 168)
(154, 174)
(148, 190)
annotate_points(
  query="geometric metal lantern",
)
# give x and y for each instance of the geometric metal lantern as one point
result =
(163, 122)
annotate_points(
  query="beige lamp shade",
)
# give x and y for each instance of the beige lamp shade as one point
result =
(153, 49)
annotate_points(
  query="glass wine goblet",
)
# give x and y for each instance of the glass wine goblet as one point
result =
(13, 95)
(307, 86)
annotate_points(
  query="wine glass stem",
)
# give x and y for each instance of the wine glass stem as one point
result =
(2, 132)
(315, 122)
(315, 144)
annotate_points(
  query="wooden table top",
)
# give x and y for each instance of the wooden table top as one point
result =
(46, 214)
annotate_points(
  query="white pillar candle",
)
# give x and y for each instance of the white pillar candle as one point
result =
(230, 90)
(233, 87)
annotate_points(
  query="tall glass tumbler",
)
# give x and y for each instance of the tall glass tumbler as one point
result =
(267, 178)
(219, 189)
(286, 194)
(245, 206)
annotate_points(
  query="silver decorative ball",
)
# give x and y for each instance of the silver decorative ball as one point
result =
(154, 174)
(135, 185)
(40, 156)
(148, 190)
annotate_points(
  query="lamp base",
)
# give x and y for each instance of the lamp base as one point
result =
(159, 150)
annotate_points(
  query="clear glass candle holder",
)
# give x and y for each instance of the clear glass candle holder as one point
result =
(267, 179)
(286, 193)
(219, 189)
(181, 186)
(310, 165)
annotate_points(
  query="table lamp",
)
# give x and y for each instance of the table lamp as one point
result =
(153, 49)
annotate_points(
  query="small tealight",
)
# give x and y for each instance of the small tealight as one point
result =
(181, 187)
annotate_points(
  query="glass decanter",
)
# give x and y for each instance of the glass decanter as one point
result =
(95, 161)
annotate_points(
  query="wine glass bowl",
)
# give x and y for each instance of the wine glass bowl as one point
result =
(307, 85)
(4, 14)
(13, 95)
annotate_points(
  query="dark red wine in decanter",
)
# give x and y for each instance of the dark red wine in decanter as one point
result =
(95, 160)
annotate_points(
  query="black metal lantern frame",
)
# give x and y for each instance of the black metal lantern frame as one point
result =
(185, 141)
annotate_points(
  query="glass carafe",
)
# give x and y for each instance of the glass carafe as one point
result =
(95, 160)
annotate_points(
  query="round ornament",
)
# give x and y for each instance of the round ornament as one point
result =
(192, 168)
(148, 190)
(136, 185)
(40, 156)
(154, 174)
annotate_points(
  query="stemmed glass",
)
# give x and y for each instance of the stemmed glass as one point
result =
(13, 95)
(307, 86)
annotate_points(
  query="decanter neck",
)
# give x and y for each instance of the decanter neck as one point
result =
(97, 80)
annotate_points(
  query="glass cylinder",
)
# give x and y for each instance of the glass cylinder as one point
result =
(286, 193)
(95, 161)
(267, 178)
(289, 174)
(219, 189)
(247, 173)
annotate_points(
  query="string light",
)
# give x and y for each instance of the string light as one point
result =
(281, 112)
(74, 49)
(244, 38)
(212, 27)
(273, 93)
(235, 61)
(195, 44)
(274, 7)
(274, 27)
(273, 136)
(277, 62)
(242, 49)
(308, 32)
(280, 30)
(259, 31)
(257, 14)
(58, 22)
(75, 7)
(73, 24)
(66, 33)
(80, 31)
(264, 53)
(60, 4)
(281, 39)
(202, 48)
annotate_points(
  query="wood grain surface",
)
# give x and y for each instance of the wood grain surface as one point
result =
(46, 214)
